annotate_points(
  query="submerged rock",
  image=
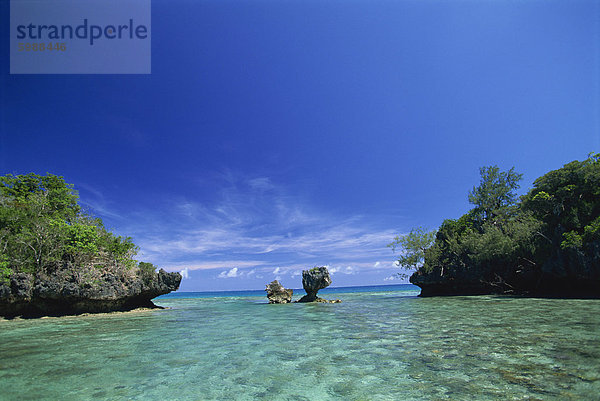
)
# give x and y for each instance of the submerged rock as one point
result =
(326, 301)
(65, 292)
(313, 280)
(277, 294)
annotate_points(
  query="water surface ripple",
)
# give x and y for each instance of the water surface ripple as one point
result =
(379, 345)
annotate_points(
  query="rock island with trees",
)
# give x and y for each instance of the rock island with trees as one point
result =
(545, 243)
(55, 259)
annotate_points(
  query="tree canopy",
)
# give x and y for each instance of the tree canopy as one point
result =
(568, 201)
(552, 231)
(496, 193)
(412, 247)
(42, 229)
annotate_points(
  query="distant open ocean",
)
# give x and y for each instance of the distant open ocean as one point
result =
(380, 343)
(407, 289)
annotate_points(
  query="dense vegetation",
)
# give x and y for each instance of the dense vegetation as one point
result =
(548, 237)
(414, 245)
(43, 229)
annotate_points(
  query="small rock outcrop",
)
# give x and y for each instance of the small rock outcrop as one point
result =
(313, 280)
(65, 293)
(277, 294)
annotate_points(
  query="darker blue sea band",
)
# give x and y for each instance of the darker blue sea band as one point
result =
(84, 31)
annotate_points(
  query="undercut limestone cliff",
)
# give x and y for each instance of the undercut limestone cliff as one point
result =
(314, 280)
(278, 294)
(65, 293)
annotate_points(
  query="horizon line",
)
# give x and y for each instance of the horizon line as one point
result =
(302, 289)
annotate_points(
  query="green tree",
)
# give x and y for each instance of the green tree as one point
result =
(567, 200)
(549, 235)
(56, 198)
(412, 247)
(496, 194)
(146, 271)
(42, 228)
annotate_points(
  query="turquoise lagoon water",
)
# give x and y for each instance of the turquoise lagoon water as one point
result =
(380, 343)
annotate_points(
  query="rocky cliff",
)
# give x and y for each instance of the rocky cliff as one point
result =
(545, 243)
(278, 294)
(65, 293)
(568, 273)
(313, 280)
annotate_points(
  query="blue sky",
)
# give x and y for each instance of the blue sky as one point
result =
(273, 136)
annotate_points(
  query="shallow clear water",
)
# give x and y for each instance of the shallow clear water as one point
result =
(379, 345)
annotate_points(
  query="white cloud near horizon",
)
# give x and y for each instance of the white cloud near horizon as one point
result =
(211, 265)
(255, 224)
(229, 274)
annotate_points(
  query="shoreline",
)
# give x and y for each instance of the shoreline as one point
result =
(88, 314)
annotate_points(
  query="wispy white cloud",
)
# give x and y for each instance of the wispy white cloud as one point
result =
(185, 273)
(236, 272)
(260, 183)
(94, 201)
(350, 270)
(346, 242)
(217, 264)
(386, 265)
(255, 225)
(229, 273)
(342, 269)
